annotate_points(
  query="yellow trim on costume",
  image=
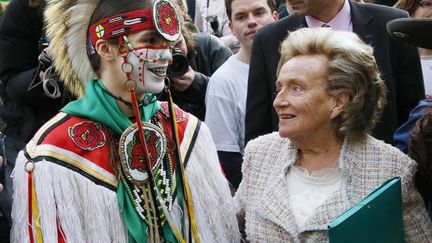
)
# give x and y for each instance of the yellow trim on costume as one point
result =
(76, 163)
(36, 219)
(188, 135)
(191, 210)
(186, 142)
(48, 125)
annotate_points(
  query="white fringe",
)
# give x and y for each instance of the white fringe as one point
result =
(213, 204)
(87, 212)
(90, 213)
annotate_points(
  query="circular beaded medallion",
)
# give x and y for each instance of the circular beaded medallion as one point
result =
(132, 156)
(166, 19)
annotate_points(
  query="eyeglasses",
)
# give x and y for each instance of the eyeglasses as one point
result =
(427, 4)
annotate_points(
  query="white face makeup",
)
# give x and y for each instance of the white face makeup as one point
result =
(149, 68)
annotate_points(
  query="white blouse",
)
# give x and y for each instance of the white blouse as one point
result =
(308, 191)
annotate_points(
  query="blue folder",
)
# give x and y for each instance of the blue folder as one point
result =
(377, 218)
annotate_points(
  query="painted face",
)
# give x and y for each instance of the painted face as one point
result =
(302, 103)
(150, 59)
(306, 7)
(248, 17)
(149, 68)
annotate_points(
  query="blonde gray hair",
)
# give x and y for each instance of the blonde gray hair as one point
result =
(351, 70)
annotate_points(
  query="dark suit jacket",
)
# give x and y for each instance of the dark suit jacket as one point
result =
(399, 64)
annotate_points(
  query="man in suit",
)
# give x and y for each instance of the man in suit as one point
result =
(398, 62)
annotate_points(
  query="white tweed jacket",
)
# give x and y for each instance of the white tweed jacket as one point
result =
(262, 194)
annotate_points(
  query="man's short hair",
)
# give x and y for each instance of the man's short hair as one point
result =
(228, 3)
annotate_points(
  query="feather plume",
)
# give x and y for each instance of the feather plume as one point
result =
(66, 27)
(76, 38)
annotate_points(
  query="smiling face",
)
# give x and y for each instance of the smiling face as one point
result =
(248, 17)
(302, 103)
(149, 59)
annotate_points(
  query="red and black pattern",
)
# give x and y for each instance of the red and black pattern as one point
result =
(166, 19)
(57, 135)
(121, 24)
(87, 135)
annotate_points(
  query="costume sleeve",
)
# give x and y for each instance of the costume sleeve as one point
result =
(258, 103)
(417, 224)
(44, 201)
(20, 230)
(66, 201)
(212, 200)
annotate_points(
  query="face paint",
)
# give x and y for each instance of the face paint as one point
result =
(149, 68)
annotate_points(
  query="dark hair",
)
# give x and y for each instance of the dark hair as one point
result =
(408, 5)
(420, 150)
(228, 3)
(107, 8)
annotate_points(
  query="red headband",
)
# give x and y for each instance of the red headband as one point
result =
(121, 24)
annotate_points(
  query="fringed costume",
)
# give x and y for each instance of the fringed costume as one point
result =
(85, 176)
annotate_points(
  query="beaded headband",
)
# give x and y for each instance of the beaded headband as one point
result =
(163, 16)
(121, 24)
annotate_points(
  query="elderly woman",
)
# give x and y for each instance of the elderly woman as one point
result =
(117, 165)
(323, 160)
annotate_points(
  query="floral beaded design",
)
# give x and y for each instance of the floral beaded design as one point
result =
(87, 135)
(132, 155)
(166, 20)
(134, 172)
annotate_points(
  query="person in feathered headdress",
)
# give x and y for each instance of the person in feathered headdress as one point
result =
(117, 165)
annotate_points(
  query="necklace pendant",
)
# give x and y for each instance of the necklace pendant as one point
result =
(132, 157)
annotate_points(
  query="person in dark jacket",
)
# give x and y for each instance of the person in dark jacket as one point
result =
(24, 104)
(399, 63)
(205, 54)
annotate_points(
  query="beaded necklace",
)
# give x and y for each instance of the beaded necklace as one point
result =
(166, 183)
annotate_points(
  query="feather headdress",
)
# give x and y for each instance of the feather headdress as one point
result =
(67, 23)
